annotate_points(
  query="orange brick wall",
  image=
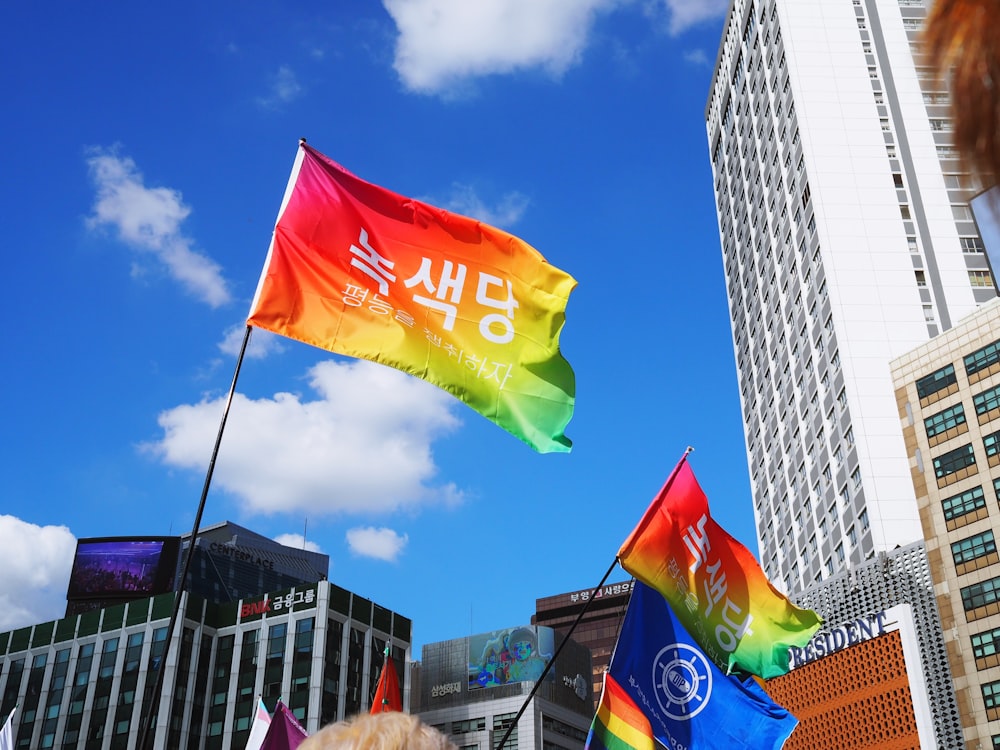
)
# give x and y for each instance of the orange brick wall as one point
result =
(856, 698)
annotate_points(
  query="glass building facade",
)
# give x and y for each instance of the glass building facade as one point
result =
(603, 611)
(87, 681)
(470, 692)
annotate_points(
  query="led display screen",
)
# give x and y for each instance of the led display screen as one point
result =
(126, 567)
(513, 655)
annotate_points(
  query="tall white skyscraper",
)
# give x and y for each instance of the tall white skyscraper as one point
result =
(847, 240)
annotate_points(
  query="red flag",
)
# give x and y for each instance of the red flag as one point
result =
(387, 696)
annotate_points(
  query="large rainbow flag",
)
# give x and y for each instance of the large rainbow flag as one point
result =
(358, 270)
(713, 583)
(619, 724)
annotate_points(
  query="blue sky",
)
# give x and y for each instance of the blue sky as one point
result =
(147, 153)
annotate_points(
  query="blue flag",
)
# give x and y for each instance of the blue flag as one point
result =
(689, 701)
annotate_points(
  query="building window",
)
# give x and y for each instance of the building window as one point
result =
(501, 723)
(980, 278)
(985, 644)
(944, 420)
(961, 504)
(986, 401)
(469, 725)
(983, 358)
(936, 381)
(972, 245)
(992, 444)
(954, 460)
(967, 550)
(980, 594)
(991, 694)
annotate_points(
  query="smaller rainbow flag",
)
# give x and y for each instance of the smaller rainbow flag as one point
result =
(713, 583)
(619, 724)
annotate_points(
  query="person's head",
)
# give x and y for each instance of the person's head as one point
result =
(962, 46)
(522, 644)
(390, 730)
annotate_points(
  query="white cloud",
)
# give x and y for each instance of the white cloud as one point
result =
(283, 87)
(363, 446)
(36, 563)
(262, 343)
(687, 13)
(297, 541)
(697, 57)
(148, 220)
(464, 200)
(444, 43)
(382, 544)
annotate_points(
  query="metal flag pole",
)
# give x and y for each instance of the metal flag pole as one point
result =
(154, 702)
(555, 656)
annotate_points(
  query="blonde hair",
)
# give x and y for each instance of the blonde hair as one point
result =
(390, 730)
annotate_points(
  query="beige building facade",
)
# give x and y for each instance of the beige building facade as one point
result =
(948, 397)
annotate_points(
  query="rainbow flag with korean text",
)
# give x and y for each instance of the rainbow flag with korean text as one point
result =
(361, 271)
(713, 583)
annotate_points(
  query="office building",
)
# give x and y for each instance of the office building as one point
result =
(229, 563)
(602, 611)
(859, 685)
(232, 562)
(948, 396)
(87, 681)
(847, 240)
(897, 582)
(472, 689)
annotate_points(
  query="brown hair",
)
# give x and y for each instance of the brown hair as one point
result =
(962, 42)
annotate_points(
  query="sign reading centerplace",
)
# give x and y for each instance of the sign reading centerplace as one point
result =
(827, 642)
(242, 555)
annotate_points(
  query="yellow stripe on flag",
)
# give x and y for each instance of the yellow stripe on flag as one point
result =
(623, 718)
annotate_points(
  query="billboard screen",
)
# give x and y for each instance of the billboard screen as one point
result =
(513, 655)
(125, 567)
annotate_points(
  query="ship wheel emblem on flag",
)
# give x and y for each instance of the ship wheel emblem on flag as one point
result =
(683, 680)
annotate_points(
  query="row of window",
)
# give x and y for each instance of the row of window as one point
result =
(944, 377)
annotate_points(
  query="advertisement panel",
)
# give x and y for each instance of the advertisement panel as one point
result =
(512, 655)
(125, 567)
